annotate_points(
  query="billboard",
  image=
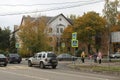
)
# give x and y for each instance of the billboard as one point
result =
(115, 37)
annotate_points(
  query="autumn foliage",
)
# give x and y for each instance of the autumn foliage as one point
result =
(33, 36)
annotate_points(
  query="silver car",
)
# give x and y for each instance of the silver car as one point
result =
(66, 57)
(115, 55)
(43, 59)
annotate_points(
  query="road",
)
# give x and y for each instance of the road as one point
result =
(23, 72)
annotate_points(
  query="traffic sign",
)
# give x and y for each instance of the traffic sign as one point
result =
(74, 43)
(17, 45)
(74, 36)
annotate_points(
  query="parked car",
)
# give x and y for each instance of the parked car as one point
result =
(115, 55)
(43, 59)
(66, 57)
(14, 57)
(3, 60)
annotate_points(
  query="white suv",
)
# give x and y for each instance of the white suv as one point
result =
(43, 59)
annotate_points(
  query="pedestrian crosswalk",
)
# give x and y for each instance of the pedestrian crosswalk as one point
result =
(15, 67)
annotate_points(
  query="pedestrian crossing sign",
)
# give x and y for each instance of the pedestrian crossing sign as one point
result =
(74, 43)
(74, 36)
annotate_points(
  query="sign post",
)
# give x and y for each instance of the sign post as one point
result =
(74, 42)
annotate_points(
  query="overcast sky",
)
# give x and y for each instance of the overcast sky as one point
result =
(78, 7)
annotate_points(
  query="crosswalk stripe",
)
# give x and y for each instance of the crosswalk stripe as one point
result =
(14, 67)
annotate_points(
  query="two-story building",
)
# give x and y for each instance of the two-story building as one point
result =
(55, 27)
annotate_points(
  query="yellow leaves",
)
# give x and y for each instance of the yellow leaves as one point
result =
(78, 22)
(67, 32)
(69, 29)
(118, 16)
(115, 28)
(88, 28)
(33, 35)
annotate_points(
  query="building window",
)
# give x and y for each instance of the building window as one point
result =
(50, 30)
(61, 30)
(57, 30)
(60, 19)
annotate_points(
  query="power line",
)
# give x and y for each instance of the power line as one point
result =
(52, 9)
(42, 4)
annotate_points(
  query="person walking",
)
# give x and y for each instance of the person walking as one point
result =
(99, 57)
(83, 57)
(95, 57)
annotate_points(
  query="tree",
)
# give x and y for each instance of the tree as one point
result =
(110, 12)
(12, 44)
(66, 37)
(4, 39)
(72, 17)
(33, 36)
(67, 32)
(111, 15)
(88, 26)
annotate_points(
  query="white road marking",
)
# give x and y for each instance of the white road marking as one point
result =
(15, 67)
(29, 76)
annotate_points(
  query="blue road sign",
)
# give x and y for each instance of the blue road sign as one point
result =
(74, 36)
(74, 43)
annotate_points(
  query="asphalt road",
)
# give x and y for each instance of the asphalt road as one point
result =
(23, 72)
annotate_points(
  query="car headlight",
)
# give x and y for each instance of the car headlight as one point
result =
(113, 55)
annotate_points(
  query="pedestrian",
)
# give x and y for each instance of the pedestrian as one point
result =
(95, 57)
(73, 60)
(83, 57)
(99, 57)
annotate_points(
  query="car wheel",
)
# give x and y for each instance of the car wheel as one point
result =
(60, 59)
(29, 64)
(5, 65)
(42, 65)
(116, 57)
(18, 62)
(54, 66)
(9, 62)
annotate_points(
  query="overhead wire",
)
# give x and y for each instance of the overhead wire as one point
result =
(57, 8)
(43, 3)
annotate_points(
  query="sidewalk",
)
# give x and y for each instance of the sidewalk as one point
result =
(91, 62)
(112, 68)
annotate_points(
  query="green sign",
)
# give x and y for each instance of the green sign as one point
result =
(74, 43)
(74, 36)
(17, 45)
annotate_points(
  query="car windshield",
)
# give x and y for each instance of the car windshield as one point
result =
(51, 55)
(2, 56)
(117, 53)
(64, 55)
(68, 55)
(14, 55)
